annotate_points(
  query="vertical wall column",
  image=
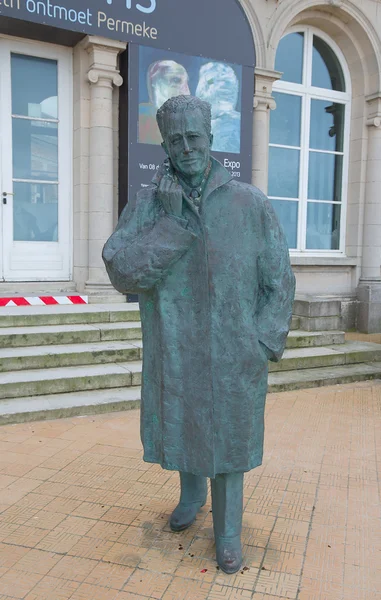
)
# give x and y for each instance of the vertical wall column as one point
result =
(263, 103)
(369, 290)
(103, 75)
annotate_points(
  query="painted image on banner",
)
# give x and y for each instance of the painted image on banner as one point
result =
(164, 74)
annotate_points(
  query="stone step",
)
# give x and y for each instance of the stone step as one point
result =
(56, 356)
(320, 323)
(57, 406)
(43, 335)
(41, 357)
(318, 313)
(316, 306)
(16, 384)
(309, 339)
(38, 288)
(15, 337)
(310, 378)
(32, 316)
(33, 408)
(107, 374)
(344, 354)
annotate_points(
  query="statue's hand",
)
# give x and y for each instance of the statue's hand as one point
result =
(170, 194)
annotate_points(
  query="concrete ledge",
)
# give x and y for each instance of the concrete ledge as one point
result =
(369, 309)
(330, 323)
(29, 316)
(59, 406)
(322, 261)
(317, 308)
(310, 378)
(326, 312)
(369, 317)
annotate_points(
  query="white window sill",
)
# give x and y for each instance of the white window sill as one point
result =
(334, 261)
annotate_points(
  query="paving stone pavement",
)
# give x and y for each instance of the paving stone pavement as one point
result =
(83, 518)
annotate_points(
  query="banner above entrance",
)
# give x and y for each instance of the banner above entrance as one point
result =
(196, 27)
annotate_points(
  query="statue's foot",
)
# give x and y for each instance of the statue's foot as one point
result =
(184, 515)
(229, 554)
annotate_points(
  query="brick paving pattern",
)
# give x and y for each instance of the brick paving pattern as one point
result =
(83, 518)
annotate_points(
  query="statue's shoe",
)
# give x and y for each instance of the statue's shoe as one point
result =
(184, 515)
(229, 554)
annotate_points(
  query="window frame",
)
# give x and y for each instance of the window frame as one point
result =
(62, 251)
(308, 93)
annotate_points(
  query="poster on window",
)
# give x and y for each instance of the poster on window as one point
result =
(157, 75)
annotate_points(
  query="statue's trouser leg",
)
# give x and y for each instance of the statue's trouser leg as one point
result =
(194, 491)
(227, 505)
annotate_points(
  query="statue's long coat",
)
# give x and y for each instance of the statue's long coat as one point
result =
(216, 293)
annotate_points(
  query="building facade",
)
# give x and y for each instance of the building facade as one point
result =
(316, 146)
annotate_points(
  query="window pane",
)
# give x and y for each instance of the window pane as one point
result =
(34, 87)
(287, 212)
(285, 120)
(327, 125)
(35, 150)
(323, 226)
(325, 176)
(35, 212)
(289, 57)
(284, 172)
(326, 69)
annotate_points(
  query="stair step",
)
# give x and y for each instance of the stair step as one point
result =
(42, 357)
(309, 339)
(56, 380)
(56, 406)
(31, 316)
(316, 306)
(310, 378)
(43, 335)
(347, 353)
(15, 337)
(16, 384)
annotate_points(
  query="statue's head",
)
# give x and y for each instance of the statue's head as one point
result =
(166, 78)
(185, 125)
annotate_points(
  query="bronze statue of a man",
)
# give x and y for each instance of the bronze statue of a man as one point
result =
(211, 266)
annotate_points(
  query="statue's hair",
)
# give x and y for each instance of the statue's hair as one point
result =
(181, 103)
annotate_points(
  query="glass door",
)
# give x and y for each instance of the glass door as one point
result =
(36, 149)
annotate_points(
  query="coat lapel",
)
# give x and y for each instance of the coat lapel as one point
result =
(218, 177)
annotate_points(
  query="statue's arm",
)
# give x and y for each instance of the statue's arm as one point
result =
(277, 286)
(144, 246)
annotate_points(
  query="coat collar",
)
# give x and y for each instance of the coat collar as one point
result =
(218, 177)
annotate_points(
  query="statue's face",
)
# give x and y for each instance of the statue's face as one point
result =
(187, 142)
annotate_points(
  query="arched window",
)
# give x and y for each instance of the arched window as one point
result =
(308, 155)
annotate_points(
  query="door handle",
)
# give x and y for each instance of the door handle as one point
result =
(5, 196)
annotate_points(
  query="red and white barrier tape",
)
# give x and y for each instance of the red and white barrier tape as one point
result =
(43, 300)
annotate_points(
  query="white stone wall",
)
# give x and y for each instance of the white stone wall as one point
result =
(96, 105)
(81, 166)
